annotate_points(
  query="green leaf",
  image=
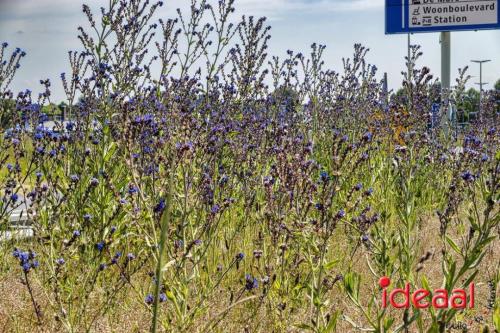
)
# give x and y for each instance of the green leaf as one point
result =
(453, 245)
(496, 319)
(305, 327)
(331, 264)
(332, 324)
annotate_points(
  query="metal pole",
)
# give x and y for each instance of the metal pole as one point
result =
(445, 39)
(480, 87)
(445, 61)
(410, 69)
(385, 89)
(481, 83)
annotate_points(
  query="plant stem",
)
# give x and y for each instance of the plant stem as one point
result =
(165, 223)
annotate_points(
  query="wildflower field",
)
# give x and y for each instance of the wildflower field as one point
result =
(200, 184)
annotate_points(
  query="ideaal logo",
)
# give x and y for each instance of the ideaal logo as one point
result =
(439, 298)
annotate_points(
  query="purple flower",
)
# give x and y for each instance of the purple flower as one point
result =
(358, 186)
(116, 257)
(100, 246)
(251, 282)
(215, 209)
(60, 261)
(240, 256)
(26, 267)
(149, 299)
(340, 214)
(160, 206)
(14, 197)
(324, 177)
(132, 189)
(26, 259)
(162, 298)
(467, 176)
(94, 182)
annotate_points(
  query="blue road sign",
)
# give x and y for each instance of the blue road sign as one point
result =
(413, 16)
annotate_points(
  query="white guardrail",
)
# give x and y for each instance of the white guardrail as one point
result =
(19, 225)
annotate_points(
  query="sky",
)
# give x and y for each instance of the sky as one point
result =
(47, 30)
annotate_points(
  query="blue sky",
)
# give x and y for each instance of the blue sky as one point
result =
(46, 29)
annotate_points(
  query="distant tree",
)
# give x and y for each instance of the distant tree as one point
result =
(469, 103)
(62, 106)
(7, 112)
(497, 85)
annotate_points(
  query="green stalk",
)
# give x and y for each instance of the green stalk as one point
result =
(165, 223)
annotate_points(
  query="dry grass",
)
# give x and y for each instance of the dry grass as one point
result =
(130, 314)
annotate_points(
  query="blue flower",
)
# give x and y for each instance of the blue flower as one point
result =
(26, 267)
(26, 259)
(76, 233)
(149, 299)
(162, 298)
(160, 206)
(60, 261)
(14, 197)
(251, 282)
(340, 214)
(240, 256)
(215, 209)
(100, 246)
(116, 257)
(324, 177)
(132, 189)
(358, 186)
(467, 176)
